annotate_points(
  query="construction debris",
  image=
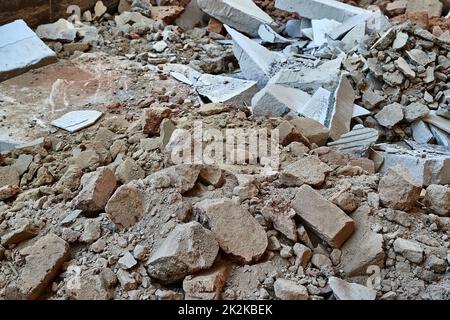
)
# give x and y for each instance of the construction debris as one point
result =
(16, 40)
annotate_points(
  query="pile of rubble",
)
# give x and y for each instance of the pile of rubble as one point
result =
(358, 208)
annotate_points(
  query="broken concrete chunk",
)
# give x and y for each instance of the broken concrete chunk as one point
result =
(189, 248)
(9, 176)
(401, 39)
(442, 137)
(343, 101)
(404, 67)
(309, 170)
(42, 264)
(278, 211)
(242, 15)
(288, 133)
(321, 30)
(328, 221)
(129, 170)
(312, 130)
(268, 35)
(419, 57)
(294, 28)
(427, 168)
(23, 230)
(364, 248)
(390, 115)
(255, 60)
(76, 120)
(325, 76)
(289, 290)
(421, 132)
(318, 107)
(415, 111)
(152, 119)
(126, 206)
(410, 250)
(62, 30)
(372, 99)
(206, 285)
(319, 9)
(437, 121)
(127, 261)
(398, 189)
(344, 290)
(277, 100)
(98, 187)
(357, 142)
(239, 234)
(21, 50)
(132, 18)
(385, 40)
(437, 199)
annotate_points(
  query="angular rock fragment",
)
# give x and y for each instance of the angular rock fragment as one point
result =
(319, 9)
(309, 170)
(239, 234)
(42, 263)
(189, 248)
(129, 170)
(62, 30)
(278, 211)
(9, 176)
(420, 57)
(21, 50)
(398, 189)
(432, 7)
(89, 286)
(7, 192)
(98, 187)
(415, 111)
(328, 221)
(390, 115)
(206, 285)
(344, 290)
(126, 206)
(288, 134)
(364, 248)
(357, 142)
(152, 119)
(277, 100)
(312, 130)
(22, 230)
(289, 290)
(437, 199)
(410, 250)
(255, 60)
(404, 67)
(421, 132)
(242, 15)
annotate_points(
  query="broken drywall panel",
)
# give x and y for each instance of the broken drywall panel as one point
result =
(214, 88)
(359, 111)
(242, 15)
(21, 50)
(321, 29)
(442, 137)
(310, 80)
(428, 168)
(354, 37)
(317, 108)
(268, 35)
(421, 133)
(357, 141)
(320, 9)
(295, 27)
(76, 120)
(256, 61)
(276, 100)
(341, 113)
(437, 121)
(349, 24)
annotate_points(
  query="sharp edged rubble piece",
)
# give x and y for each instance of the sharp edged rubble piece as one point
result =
(256, 61)
(21, 50)
(77, 120)
(277, 100)
(242, 15)
(357, 142)
(320, 9)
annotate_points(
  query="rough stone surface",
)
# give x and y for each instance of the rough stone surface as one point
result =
(187, 249)
(126, 206)
(437, 199)
(410, 250)
(398, 189)
(344, 290)
(309, 170)
(289, 290)
(328, 221)
(237, 231)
